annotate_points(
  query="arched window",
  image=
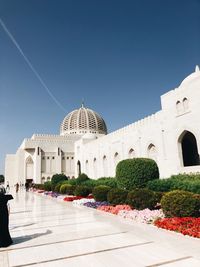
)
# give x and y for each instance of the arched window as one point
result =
(131, 154)
(189, 148)
(48, 178)
(152, 152)
(78, 167)
(185, 104)
(105, 166)
(179, 107)
(43, 180)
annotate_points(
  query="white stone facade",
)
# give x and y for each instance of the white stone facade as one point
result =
(167, 136)
(171, 137)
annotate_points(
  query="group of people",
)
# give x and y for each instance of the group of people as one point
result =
(5, 238)
(17, 186)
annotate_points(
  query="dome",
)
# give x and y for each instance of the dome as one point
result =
(192, 76)
(82, 121)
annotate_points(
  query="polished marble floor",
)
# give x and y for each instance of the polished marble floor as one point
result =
(51, 233)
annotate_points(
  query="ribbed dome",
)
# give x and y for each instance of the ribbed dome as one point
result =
(82, 121)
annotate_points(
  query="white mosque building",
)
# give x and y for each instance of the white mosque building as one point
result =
(171, 137)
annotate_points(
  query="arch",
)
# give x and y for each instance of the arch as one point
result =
(152, 152)
(178, 107)
(78, 167)
(185, 104)
(105, 166)
(43, 180)
(95, 167)
(116, 159)
(86, 167)
(48, 178)
(29, 168)
(189, 149)
(131, 153)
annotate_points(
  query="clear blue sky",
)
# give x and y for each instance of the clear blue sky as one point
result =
(120, 56)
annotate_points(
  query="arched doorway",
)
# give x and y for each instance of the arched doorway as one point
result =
(190, 153)
(78, 167)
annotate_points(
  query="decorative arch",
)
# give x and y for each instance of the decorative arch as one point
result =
(29, 168)
(185, 104)
(78, 167)
(86, 167)
(152, 152)
(116, 159)
(105, 166)
(95, 167)
(178, 107)
(189, 149)
(131, 153)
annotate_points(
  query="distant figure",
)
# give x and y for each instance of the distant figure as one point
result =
(5, 239)
(27, 186)
(17, 187)
(7, 188)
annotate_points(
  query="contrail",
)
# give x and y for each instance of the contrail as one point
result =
(30, 65)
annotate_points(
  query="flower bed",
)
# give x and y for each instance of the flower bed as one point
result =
(96, 204)
(187, 225)
(143, 216)
(72, 198)
(81, 202)
(114, 210)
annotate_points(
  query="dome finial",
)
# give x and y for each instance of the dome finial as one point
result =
(197, 68)
(82, 103)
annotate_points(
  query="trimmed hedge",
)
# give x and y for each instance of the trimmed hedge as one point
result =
(82, 178)
(135, 173)
(178, 182)
(58, 178)
(47, 186)
(180, 203)
(100, 192)
(82, 191)
(67, 189)
(142, 198)
(117, 196)
(108, 181)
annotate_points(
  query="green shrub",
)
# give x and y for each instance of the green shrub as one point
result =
(142, 198)
(57, 188)
(67, 189)
(82, 191)
(160, 185)
(100, 192)
(108, 181)
(72, 181)
(39, 186)
(180, 203)
(135, 173)
(176, 182)
(117, 196)
(90, 183)
(57, 178)
(47, 186)
(82, 178)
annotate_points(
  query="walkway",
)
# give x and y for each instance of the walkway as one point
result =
(47, 232)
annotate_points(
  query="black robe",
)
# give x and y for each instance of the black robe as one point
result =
(5, 239)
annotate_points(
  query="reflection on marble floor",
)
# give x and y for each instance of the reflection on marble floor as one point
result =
(47, 232)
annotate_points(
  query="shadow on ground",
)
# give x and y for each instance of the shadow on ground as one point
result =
(18, 240)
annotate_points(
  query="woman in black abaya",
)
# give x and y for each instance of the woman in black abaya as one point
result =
(5, 239)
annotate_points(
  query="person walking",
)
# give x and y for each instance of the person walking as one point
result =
(5, 239)
(17, 187)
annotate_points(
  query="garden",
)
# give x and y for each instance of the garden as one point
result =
(136, 194)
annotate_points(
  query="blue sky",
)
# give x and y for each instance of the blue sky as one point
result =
(118, 55)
